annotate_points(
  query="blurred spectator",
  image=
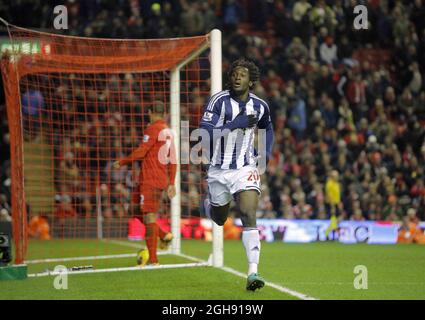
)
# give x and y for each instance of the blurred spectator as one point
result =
(329, 114)
(231, 14)
(5, 216)
(4, 205)
(208, 17)
(191, 20)
(297, 50)
(328, 51)
(64, 208)
(300, 9)
(357, 215)
(322, 15)
(39, 228)
(415, 83)
(409, 231)
(297, 117)
(392, 210)
(333, 193)
(32, 102)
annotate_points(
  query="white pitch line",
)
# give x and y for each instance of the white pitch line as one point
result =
(165, 266)
(123, 243)
(191, 258)
(293, 293)
(132, 245)
(111, 256)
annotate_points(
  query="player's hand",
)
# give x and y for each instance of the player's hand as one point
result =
(243, 121)
(171, 192)
(116, 165)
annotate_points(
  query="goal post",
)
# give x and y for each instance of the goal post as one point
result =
(92, 97)
(216, 86)
(175, 126)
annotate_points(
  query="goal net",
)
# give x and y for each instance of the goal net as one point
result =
(74, 106)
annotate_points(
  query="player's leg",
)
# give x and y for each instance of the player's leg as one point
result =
(216, 213)
(165, 238)
(219, 214)
(151, 236)
(152, 204)
(217, 204)
(247, 202)
(246, 190)
(136, 211)
(149, 206)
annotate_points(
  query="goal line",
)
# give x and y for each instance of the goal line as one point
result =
(148, 267)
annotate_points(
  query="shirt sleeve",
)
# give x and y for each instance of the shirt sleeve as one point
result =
(266, 119)
(149, 139)
(266, 123)
(212, 112)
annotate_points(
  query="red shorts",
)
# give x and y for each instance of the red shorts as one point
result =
(148, 197)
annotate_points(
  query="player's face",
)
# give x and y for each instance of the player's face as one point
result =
(240, 80)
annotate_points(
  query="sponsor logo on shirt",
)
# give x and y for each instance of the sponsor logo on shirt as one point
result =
(207, 116)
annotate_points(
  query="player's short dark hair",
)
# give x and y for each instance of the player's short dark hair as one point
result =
(254, 71)
(157, 107)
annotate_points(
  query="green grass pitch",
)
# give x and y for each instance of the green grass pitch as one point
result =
(319, 270)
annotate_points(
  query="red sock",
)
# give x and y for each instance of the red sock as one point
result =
(152, 241)
(161, 232)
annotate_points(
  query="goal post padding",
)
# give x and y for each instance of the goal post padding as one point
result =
(93, 96)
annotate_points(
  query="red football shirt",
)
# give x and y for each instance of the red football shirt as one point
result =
(157, 152)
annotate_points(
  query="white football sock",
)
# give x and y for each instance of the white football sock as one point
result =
(251, 241)
(252, 268)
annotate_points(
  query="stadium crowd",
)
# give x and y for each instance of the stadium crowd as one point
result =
(349, 129)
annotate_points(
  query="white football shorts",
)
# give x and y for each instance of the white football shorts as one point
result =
(223, 184)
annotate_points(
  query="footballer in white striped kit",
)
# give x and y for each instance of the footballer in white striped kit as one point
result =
(231, 117)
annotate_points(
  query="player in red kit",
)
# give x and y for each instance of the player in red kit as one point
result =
(158, 171)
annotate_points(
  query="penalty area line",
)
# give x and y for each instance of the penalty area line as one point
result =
(280, 288)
